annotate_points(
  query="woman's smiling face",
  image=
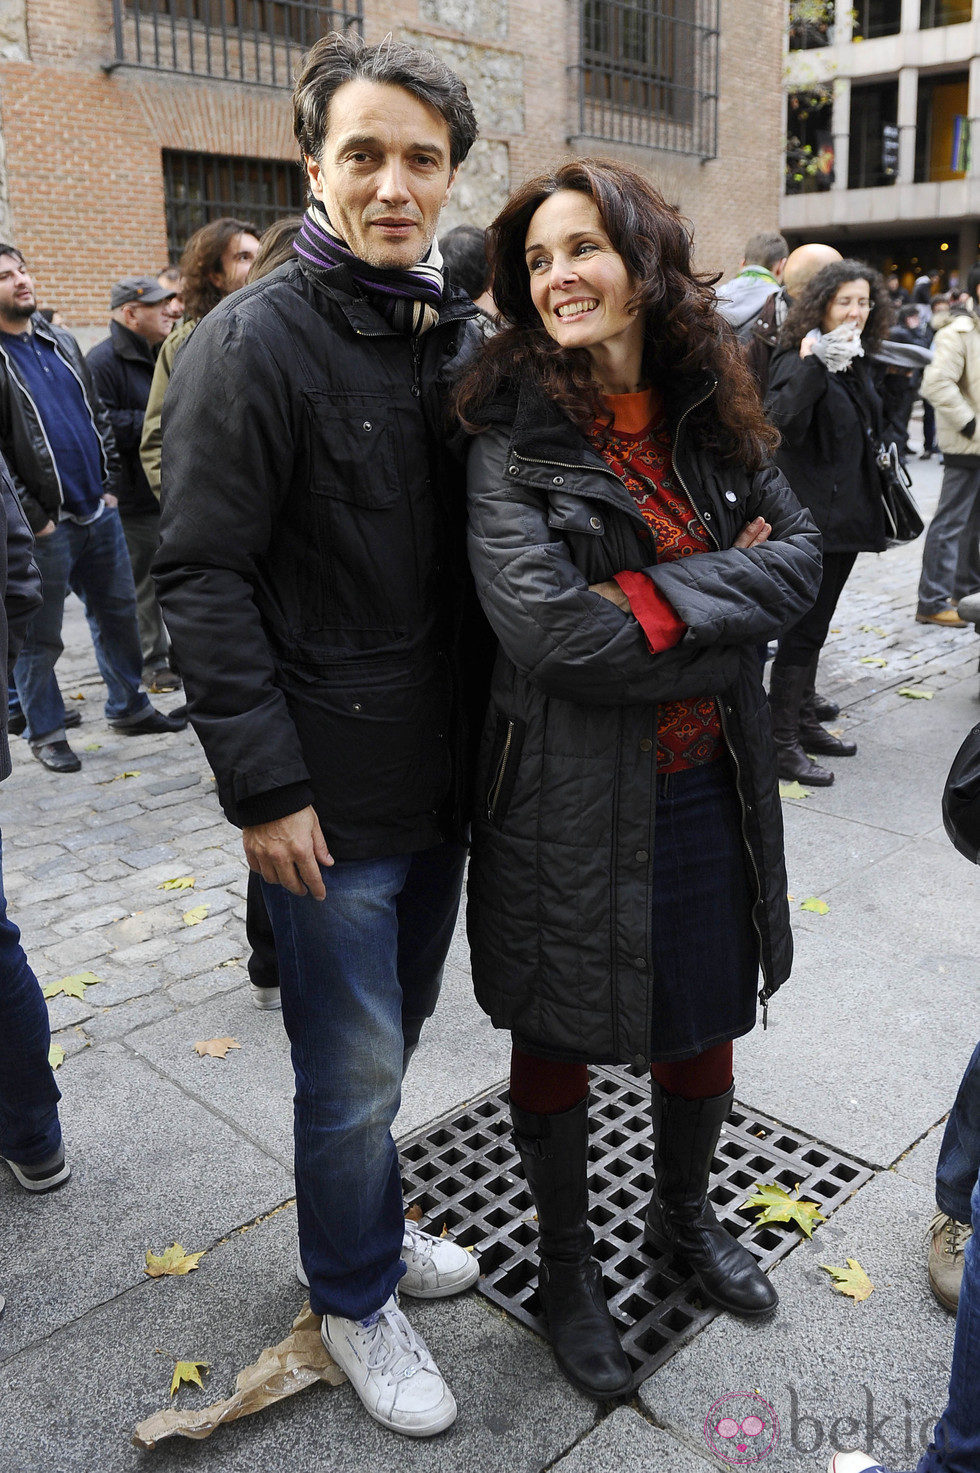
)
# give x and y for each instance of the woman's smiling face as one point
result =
(580, 286)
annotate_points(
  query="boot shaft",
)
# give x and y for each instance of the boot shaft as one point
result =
(554, 1151)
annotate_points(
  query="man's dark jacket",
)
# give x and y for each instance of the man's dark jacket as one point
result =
(20, 594)
(23, 441)
(312, 562)
(122, 367)
(561, 871)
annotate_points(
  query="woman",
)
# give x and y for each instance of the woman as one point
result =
(631, 546)
(823, 401)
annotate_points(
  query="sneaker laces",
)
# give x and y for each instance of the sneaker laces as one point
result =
(955, 1234)
(420, 1242)
(395, 1350)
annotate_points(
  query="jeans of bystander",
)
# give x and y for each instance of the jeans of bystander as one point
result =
(142, 533)
(29, 1128)
(359, 972)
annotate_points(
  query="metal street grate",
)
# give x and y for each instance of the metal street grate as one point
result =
(463, 1173)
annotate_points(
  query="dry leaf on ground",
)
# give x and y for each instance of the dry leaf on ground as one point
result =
(92, 747)
(916, 693)
(73, 986)
(172, 1260)
(196, 916)
(188, 1371)
(818, 906)
(852, 1281)
(280, 1371)
(179, 882)
(215, 1048)
(779, 1206)
(77, 696)
(794, 790)
(134, 772)
(874, 660)
(56, 1056)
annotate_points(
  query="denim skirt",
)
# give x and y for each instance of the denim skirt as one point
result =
(705, 946)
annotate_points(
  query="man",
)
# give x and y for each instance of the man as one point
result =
(58, 444)
(761, 336)
(760, 274)
(215, 263)
(122, 368)
(311, 572)
(171, 280)
(951, 553)
(30, 1134)
(896, 291)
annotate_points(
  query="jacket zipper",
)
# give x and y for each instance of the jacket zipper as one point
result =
(498, 780)
(15, 378)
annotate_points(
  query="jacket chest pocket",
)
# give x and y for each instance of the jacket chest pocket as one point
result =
(353, 449)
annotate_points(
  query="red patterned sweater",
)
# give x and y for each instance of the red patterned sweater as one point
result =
(638, 449)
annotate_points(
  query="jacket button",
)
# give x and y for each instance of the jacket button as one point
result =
(646, 745)
(595, 523)
(639, 1062)
(641, 962)
(558, 481)
(357, 705)
(367, 424)
(512, 470)
(706, 517)
(642, 856)
(730, 496)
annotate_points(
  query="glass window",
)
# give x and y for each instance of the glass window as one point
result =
(873, 151)
(809, 142)
(199, 187)
(877, 18)
(945, 12)
(941, 127)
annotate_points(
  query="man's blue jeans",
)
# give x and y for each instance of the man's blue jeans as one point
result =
(359, 972)
(29, 1129)
(93, 562)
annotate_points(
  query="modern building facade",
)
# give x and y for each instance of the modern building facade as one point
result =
(882, 99)
(127, 123)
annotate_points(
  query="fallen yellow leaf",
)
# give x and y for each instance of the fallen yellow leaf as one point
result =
(73, 986)
(179, 882)
(173, 1261)
(215, 1048)
(916, 693)
(77, 696)
(819, 907)
(56, 1056)
(852, 1281)
(196, 916)
(189, 1372)
(794, 790)
(779, 1206)
(874, 660)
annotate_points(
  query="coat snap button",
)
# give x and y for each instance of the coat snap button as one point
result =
(595, 523)
(641, 962)
(512, 470)
(639, 1062)
(707, 516)
(558, 481)
(646, 745)
(367, 424)
(642, 856)
(357, 705)
(730, 496)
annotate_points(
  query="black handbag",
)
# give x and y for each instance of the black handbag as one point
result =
(961, 798)
(903, 521)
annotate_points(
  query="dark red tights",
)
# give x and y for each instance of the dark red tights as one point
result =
(545, 1087)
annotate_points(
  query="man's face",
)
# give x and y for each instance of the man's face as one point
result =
(151, 321)
(236, 262)
(384, 172)
(17, 297)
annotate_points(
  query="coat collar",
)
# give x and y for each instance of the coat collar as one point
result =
(338, 284)
(129, 344)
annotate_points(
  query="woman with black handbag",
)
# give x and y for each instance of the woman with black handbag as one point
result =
(825, 405)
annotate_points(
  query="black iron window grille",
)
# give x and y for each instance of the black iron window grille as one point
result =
(648, 73)
(199, 187)
(254, 41)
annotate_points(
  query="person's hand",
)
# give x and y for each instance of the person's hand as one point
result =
(753, 533)
(109, 499)
(46, 530)
(611, 590)
(289, 851)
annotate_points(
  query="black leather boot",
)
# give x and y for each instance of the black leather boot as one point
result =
(584, 1338)
(787, 685)
(680, 1217)
(813, 736)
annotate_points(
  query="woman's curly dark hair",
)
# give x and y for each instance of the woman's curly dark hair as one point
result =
(808, 311)
(684, 335)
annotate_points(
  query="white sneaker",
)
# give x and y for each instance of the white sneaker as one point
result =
(855, 1463)
(391, 1370)
(434, 1267)
(266, 999)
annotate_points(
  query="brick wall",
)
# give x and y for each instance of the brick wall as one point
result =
(83, 168)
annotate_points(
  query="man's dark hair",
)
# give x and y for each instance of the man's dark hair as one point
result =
(202, 257)
(336, 59)
(464, 253)
(11, 250)
(765, 249)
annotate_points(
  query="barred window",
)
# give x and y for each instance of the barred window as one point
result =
(257, 41)
(648, 73)
(199, 187)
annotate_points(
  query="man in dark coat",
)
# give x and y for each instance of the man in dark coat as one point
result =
(122, 367)
(30, 1133)
(311, 572)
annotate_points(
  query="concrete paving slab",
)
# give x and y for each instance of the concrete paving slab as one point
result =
(863, 1051)
(919, 1165)
(625, 1440)
(933, 729)
(828, 1366)
(823, 849)
(74, 1401)
(885, 787)
(149, 1167)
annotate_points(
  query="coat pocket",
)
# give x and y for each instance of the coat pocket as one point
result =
(353, 456)
(505, 756)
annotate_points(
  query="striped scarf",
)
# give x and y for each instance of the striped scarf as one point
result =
(409, 299)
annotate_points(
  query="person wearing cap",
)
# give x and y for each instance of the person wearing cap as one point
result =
(122, 367)
(58, 443)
